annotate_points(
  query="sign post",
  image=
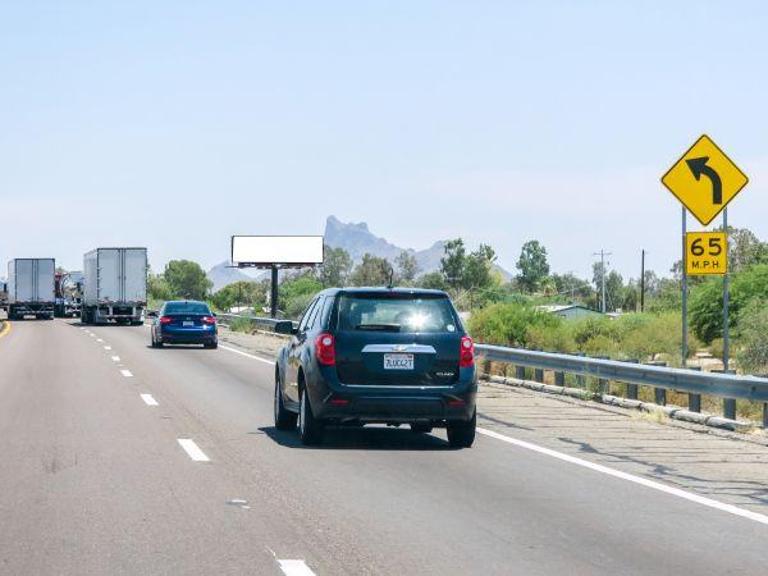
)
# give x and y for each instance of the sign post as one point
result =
(274, 253)
(705, 180)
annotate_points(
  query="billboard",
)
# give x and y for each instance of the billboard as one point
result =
(285, 250)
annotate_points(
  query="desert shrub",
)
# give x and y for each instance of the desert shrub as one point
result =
(508, 324)
(752, 351)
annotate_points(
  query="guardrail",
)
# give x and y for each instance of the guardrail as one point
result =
(695, 383)
(258, 321)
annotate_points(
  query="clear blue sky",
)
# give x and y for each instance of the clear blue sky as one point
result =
(175, 124)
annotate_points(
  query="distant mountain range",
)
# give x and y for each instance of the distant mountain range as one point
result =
(357, 240)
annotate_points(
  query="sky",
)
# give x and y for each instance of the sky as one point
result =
(174, 125)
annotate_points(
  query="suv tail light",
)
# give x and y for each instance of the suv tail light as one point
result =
(208, 320)
(467, 353)
(325, 349)
(165, 319)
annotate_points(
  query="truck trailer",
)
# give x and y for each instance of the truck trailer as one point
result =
(114, 286)
(31, 288)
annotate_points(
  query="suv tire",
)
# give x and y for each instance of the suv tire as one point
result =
(462, 434)
(284, 418)
(310, 429)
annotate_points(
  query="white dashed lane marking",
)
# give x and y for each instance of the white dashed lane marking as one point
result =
(193, 450)
(149, 400)
(126, 373)
(295, 568)
(115, 358)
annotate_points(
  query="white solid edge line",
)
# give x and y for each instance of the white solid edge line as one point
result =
(690, 496)
(227, 348)
(126, 373)
(193, 450)
(295, 568)
(149, 400)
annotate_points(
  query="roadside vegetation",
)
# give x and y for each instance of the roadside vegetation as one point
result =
(509, 311)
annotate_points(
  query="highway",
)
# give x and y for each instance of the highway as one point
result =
(122, 459)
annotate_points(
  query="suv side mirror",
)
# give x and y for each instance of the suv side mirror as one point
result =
(284, 327)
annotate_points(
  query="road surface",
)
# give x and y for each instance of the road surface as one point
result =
(122, 459)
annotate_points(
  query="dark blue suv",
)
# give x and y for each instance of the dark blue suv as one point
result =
(377, 355)
(184, 322)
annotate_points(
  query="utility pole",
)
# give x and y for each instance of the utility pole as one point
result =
(602, 255)
(642, 280)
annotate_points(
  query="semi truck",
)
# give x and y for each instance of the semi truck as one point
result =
(114, 286)
(31, 288)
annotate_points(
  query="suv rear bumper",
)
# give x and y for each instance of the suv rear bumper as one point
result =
(335, 401)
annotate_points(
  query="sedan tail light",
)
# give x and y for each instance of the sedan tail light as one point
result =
(209, 320)
(325, 349)
(467, 353)
(165, 319)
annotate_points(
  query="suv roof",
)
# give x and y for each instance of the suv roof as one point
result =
(383, 290)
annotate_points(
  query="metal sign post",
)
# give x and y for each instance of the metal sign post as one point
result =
(729, 404)
(684, 349)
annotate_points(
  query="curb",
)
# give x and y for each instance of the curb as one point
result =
(673, 412)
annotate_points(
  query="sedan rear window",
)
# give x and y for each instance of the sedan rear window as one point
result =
(187, 308)
(397, 313)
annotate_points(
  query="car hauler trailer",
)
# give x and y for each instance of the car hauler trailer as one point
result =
(31, 288)
(115, 285)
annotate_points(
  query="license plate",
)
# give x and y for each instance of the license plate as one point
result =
(187, 323)
(398, 361)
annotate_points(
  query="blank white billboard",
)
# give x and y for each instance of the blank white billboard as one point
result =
(267, 250)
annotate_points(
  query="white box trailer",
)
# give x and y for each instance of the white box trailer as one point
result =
(114, 285)
(31, 290)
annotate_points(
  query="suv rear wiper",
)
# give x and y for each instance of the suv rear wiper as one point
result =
(381, 327)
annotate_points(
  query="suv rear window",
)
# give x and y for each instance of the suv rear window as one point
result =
(187, 308)
(396, 313)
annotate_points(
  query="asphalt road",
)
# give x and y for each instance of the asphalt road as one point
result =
(94, 480)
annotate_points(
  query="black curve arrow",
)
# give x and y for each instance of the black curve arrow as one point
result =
(698, 167)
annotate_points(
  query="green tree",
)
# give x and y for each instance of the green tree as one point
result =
(706, 302)
(572, 287)
(372, 271)
(296, 292)
(242, 293)
(432, 280)
(533, 266)
(158, 288)
(407, 267)
(186, 279)
(336, 268)
(453, 262)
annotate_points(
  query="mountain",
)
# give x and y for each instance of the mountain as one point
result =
(223, 274)
(358, 240)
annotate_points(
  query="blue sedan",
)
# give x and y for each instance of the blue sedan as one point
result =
(184, 322)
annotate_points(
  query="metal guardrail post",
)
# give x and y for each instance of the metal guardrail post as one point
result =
(694, 400)
(581, 382)
(559, 378)
(603, 385)
(632, 388)
(520, 372)
(729, 404)
(538, 374)
(659, 394)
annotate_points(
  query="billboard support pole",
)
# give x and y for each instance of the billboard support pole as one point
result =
(273, 297)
